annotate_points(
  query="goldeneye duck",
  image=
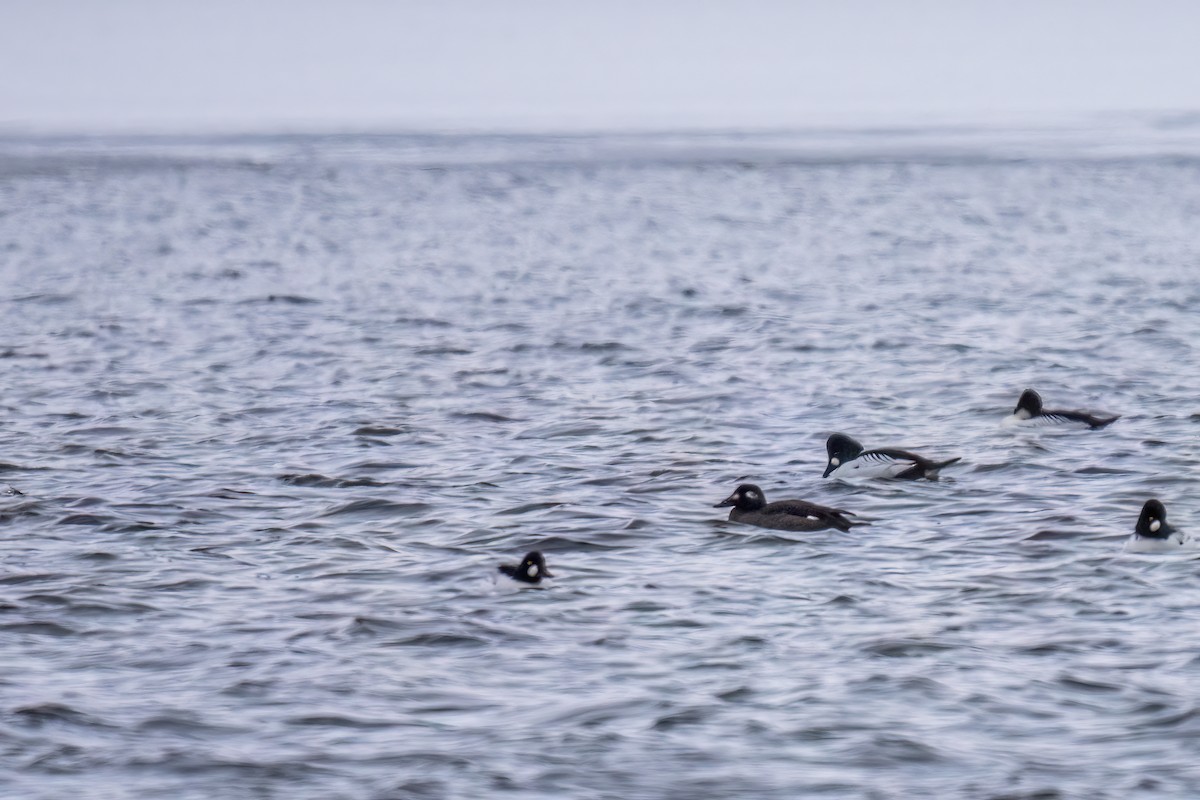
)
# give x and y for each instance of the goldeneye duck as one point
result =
(848, 459)
(1029, 410)
(751, 507)
(1152, 534)
(531, 569)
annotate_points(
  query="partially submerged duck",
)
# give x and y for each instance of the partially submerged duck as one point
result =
(531, 569)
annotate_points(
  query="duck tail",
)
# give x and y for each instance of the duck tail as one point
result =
(844, 525)
(931, 472)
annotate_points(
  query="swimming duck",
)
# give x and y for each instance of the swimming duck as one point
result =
(531, 569)
(1152, 534)
(1029, 411)
(751, 507)
(848, 459)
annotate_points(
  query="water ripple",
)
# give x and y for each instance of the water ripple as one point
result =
(272, 422)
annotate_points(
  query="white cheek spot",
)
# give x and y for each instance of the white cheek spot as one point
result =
(837, 462)
(1155, 525)
(532, 571)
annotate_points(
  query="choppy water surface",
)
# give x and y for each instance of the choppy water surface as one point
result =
(274, 409)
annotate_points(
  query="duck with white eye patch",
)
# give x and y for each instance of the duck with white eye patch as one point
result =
(531, 569)
(1029, 412)
(1152, 534)
(849, 459)
(751, 507)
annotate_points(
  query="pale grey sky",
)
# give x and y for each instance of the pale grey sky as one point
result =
(556, 64)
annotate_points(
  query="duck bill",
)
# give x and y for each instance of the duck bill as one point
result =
(828, 469)
(728, 501)
(547, 574)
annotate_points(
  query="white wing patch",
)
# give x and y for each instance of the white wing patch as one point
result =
(1055, 419)
(872, 465)
(1040, 421)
